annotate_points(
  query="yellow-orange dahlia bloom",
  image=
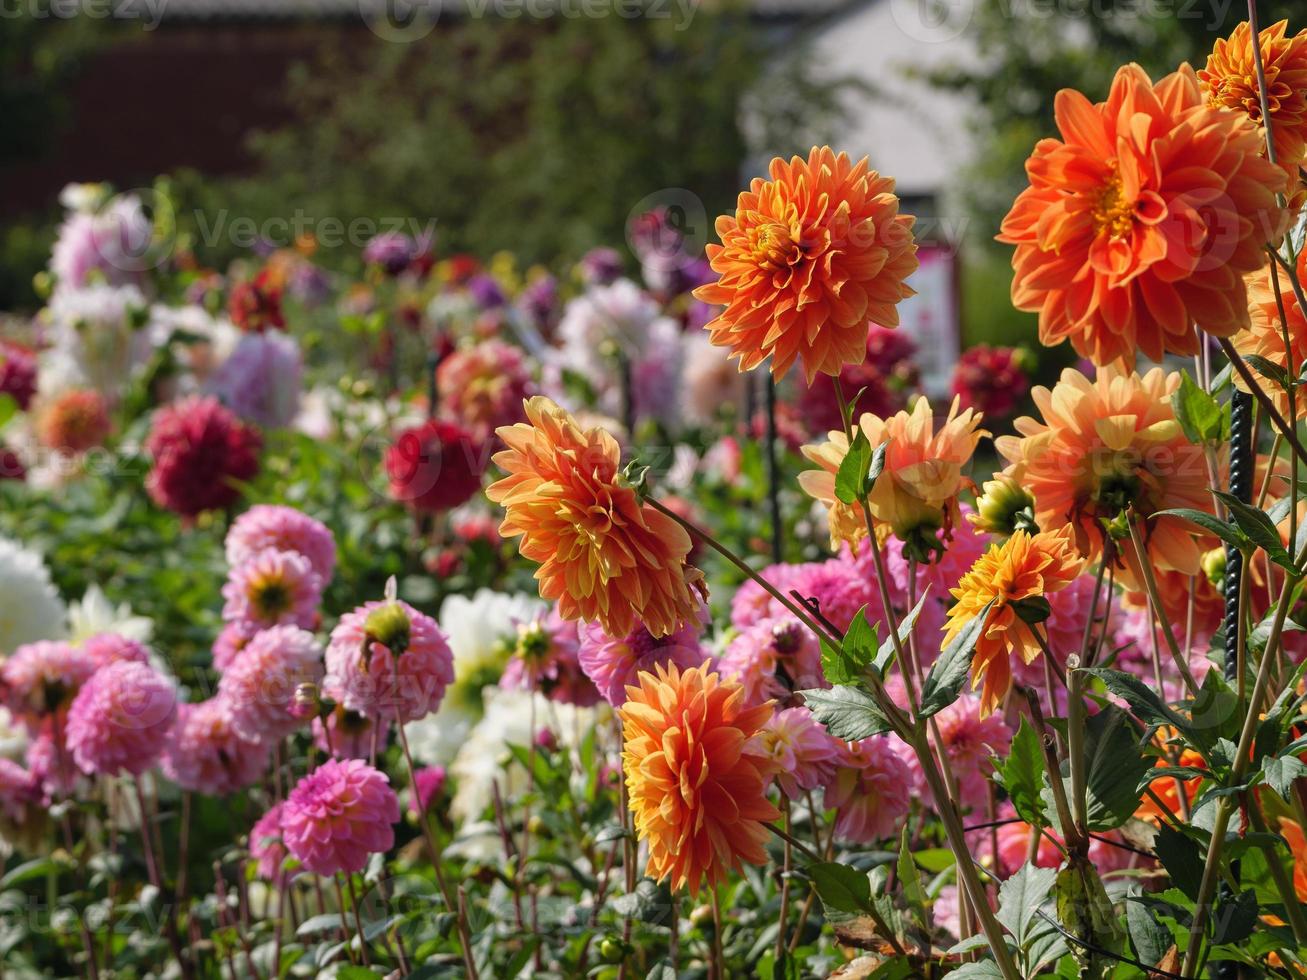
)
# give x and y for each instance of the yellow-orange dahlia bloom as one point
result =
(1025, 566)
(923, 475)
(1106, 445)
(605, 555)
(696, 774)
(1265, 333)
(812, 257)
(1230, 81)
(1140, 222)
(1292, 833)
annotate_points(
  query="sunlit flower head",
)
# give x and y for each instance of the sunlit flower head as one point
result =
(272, 526)
(812, 257)
(545, 659)
(871, 791)
(917, 492)
(483, 386)
(1140, 222)
(41, 679)
(273, 588)
(805, 755)
(339, 814)
(1230, 81)
(1104, 446)
(205, 755)
(201, 453)
(605, 556)
(614, 663)
(120, 720)
(772, 658)
(260, 684)
(1265, 334)
(73, 421)
(696, 777)
(1023, 567)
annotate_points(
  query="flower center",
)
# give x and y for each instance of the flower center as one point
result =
(774, 247)
(270, 597)
(1112, 212)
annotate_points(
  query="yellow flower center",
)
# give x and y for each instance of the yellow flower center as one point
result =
(270, 596)
(774, 246)
(1112, 212)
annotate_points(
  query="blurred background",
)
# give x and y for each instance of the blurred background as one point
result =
(542, 127)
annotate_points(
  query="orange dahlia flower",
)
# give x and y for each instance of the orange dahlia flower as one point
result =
(1291, 831)
(1141, 220)
(1230, 82)
(918, 489)
(1167, 789)
(605, 555)
(1265, 333)
(696, 774)
(1025, 566)
(811, 258)
(1104, 446)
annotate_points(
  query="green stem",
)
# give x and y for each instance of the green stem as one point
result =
(1155, 597)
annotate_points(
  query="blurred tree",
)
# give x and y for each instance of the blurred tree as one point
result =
(1029, 49)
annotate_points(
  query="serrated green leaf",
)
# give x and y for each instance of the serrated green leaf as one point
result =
(1258, 528)
(841, 887)
(1281, 771)
(1180, 857)
(846, 712)
(1021, 774)
(1151, 938)
(1020, 896)
(1198, 413)
(1229, 533)
(851, 477)
(944, 683)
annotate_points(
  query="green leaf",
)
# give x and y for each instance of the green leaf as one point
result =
(1199, 414)
(861, 640)
(1268, 369)
(1033, 610)
(1233, 922)
(1115, 766)
(841, 887)
(983, 970)
(944, 682)
(1021, 774)
(846, 712)
(1228, 533)
(8, 407)
(1152, 938)
(1144, 701)
(1020, 896)
(1281, 771)
(851, 477)
(1259, 529)
(910, 878)
(30, 871)
(1180, 857)
(836, 666)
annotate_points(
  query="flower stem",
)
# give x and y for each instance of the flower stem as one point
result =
(1155, 597)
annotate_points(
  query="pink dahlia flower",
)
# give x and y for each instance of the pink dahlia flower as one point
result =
(17, 374)
(1014, 844)
(42, 678)
(971, 742)
(483, 387)
(614, 663)
(806, 755)
(232, 639)
(430, 784)
(388, 661)
(349, 735)
(120, 719)
(52, 767)
(339, 814)
(201, 452)
(772, 659)
(273, 527)
(545, 660)
(992, 380)
(109, 648)
(206, 755)
(871, 791)
(837, 585)
(266, 846)
(273, 588)
(259, 685)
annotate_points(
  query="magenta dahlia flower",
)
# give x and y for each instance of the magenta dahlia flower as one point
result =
(430, 785)
(273, 588)
(773, 658)
(120, 719)
(339, 814)
(871, 791)
(42, 678)
(838, 586)
(545, 660)
(205, 755)
(17, 374)
(614, 663)
(992, 380)
(201, 452)
(388, 661)
(109, 648)
(232, 639)
(266, 846)
(259, 685)
(806, 754)
(52, 767)
(273, 527)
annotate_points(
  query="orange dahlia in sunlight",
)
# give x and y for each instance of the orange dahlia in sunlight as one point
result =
(1265, 333)
(1139, 222)
(1167, 789)
(917, 492)
(696, 774)
(605, 555)
(1230, 82)
(1025, 566)
(1107, 445)
(811, 258)
(1291, 831)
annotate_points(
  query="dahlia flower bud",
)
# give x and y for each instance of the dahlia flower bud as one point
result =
(1004, 507)
(1214, 566)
